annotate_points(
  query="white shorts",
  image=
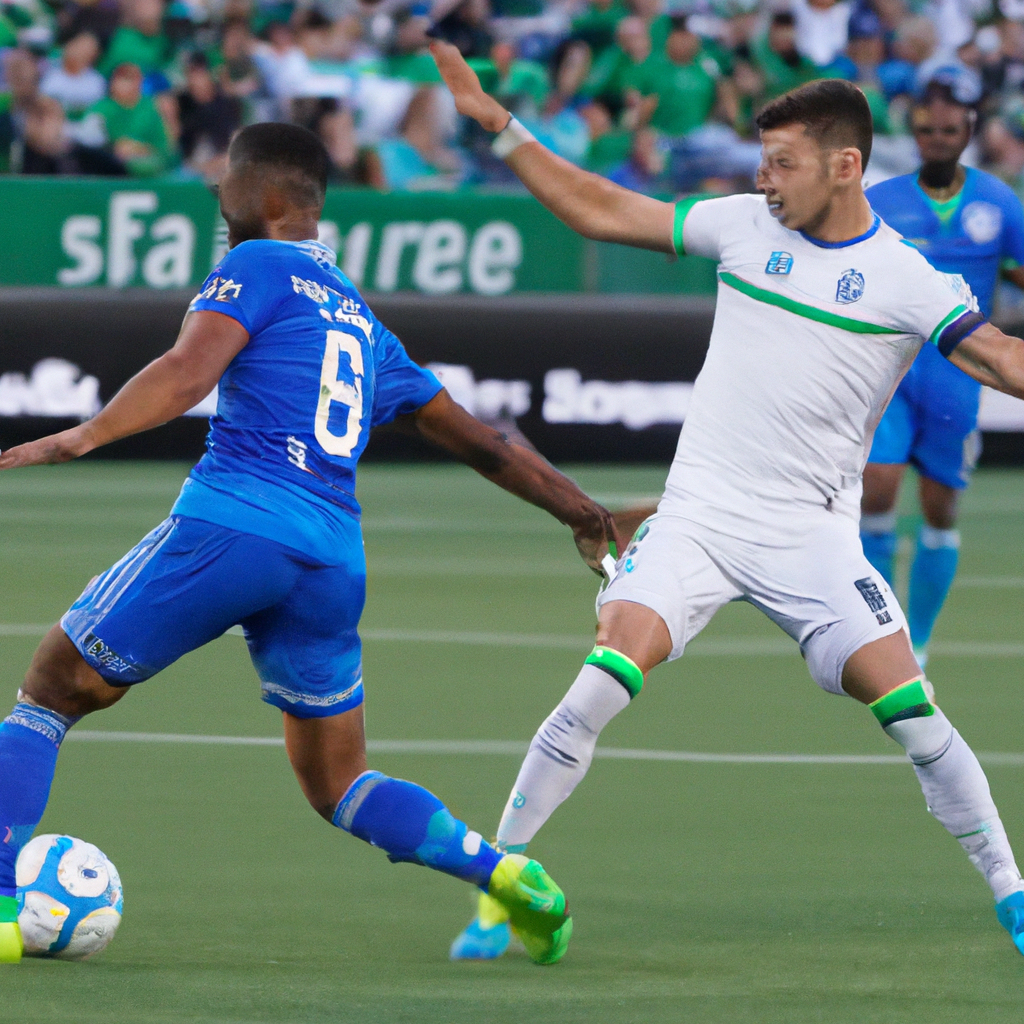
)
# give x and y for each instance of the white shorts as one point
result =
(818, 587)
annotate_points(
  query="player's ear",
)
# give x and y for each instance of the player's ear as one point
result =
(846, 164)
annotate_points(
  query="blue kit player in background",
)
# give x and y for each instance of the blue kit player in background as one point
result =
(266, 533)
(966, 222)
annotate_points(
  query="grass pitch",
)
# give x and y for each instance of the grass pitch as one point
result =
(704, 892)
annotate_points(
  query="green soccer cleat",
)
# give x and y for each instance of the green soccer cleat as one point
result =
(10, 934)
(537, 908)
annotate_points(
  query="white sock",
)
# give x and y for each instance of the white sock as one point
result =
(957, 794)
(560, 754)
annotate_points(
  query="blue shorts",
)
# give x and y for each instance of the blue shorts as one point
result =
(932, 422)
(188, 581)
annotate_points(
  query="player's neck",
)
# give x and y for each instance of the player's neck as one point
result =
(846, 218)
(941, 181)
(301, 229)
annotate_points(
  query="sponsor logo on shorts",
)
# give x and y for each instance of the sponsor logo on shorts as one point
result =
(779, 263)
(98, 649)
(873, 599)
(297, 452)
(850, 287)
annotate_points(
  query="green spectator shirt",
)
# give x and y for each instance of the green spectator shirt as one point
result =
(779, 76)
(596, 26)
(141, 123)
(686, 92)
(608, 151)
(130, 46)
(611, 75)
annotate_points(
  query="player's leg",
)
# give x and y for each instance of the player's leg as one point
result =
(955, 788)
(936, 556)
(883, 474)
(665, 591)
(945, 452)
(307, 652)
(854, 638)
(184, 584)
(58, 690)
(631, 640)
(878, 515)
(411, 825)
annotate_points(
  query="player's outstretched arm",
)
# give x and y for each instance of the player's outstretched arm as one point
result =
(524, 473)
(166, 388)
(994, 358)
(588, 203)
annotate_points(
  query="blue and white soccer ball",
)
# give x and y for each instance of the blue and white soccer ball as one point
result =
(69, 898)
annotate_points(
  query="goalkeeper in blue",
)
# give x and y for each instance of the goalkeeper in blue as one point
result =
(266, 533)
(966, 222)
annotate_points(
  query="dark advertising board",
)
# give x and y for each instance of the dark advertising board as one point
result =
(587, 378)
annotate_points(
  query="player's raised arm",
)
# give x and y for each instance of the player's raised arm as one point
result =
(994, 358)
(518, 470)
(588, 203)
(166, 388)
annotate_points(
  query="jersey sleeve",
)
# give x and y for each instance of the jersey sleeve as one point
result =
(939, 307)
(244, 287)
(401, 386)
(697, 227)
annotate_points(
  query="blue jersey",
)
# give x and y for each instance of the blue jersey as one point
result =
(296, 405)
(977, 233)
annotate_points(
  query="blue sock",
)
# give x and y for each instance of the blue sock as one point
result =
(410, 824)
(931, 576)
(29, 740)
(878, 538)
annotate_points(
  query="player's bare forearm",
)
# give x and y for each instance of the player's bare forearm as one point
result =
(518, 470)
(993, 358)
(162, 391)
(588, 203)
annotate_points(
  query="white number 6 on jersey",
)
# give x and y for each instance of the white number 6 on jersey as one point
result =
(334, 390)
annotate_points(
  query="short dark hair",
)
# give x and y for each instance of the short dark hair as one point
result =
(273, 147)
(835, 113)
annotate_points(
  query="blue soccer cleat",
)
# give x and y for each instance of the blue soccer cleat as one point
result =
(487, 936)
(1011, 916)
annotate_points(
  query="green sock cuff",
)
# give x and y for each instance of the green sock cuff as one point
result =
(619, 667)
(907, 701)
(8, 909)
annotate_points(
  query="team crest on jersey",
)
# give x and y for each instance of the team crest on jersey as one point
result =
(850, 287)
(779, 263)
(982, 222)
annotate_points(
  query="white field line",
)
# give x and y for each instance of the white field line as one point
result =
(518, 749)
(724, 647)
(991, 582)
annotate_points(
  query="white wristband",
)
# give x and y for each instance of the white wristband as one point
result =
(511, 137)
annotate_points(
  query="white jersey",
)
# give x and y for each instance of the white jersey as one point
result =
(809, 342)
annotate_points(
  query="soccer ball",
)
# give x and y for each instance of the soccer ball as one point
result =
(69, 898)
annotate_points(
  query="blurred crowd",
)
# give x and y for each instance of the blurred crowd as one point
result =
(656, 94)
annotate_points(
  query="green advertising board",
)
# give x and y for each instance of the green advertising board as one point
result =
(76, 233)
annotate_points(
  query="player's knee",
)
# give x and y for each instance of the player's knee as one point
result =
(940, 505)
(60, 680)
(907, 714)
(636, 632)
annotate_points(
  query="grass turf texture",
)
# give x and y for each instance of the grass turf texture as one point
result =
(703, 892)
